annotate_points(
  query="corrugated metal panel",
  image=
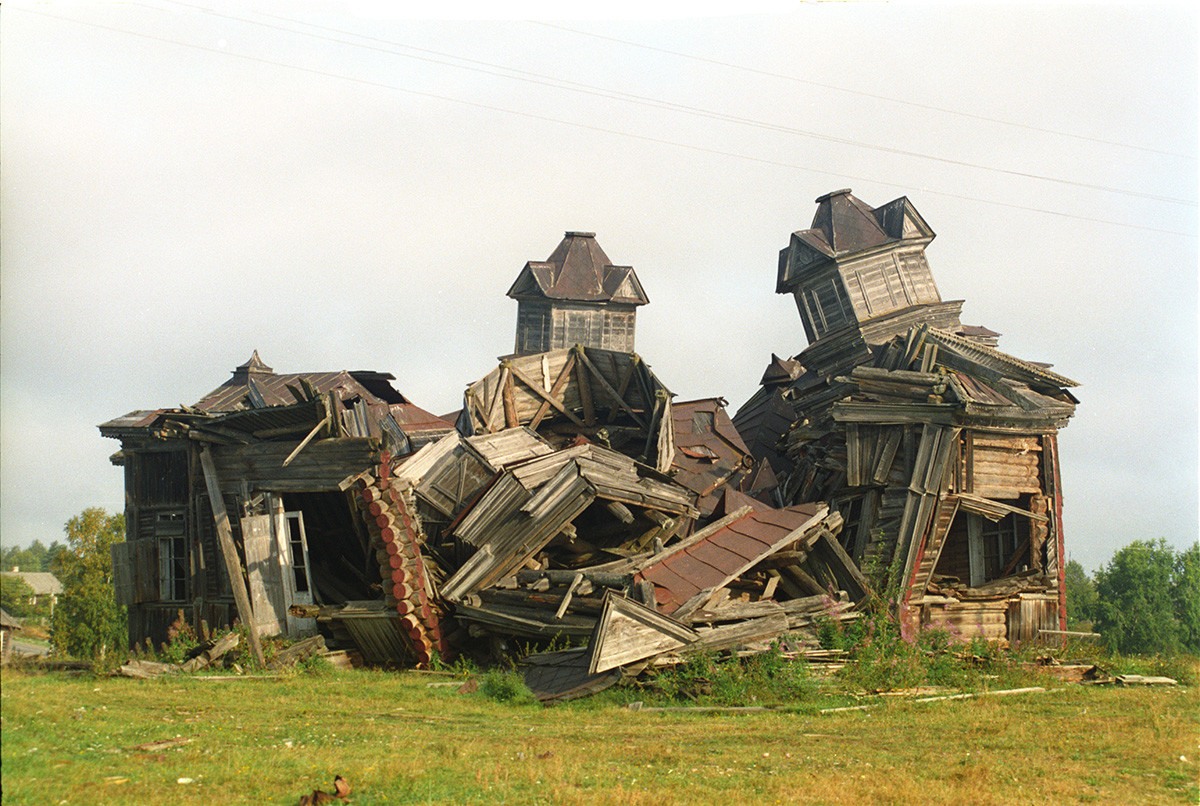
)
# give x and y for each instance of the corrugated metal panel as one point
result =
(726, 553)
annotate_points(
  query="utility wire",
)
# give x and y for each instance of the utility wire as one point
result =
(862, 93)
(589, 127)
(517, 74)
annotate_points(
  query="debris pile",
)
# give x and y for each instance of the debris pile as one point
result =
(543, 531)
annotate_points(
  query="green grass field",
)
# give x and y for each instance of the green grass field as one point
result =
(396, 739)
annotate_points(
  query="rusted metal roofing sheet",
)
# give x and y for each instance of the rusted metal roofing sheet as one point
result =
(709, 452)
(134, 419)
(727, 553)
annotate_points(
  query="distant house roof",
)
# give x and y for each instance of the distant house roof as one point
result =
(7, 621)
(578, 270)
(40, 582)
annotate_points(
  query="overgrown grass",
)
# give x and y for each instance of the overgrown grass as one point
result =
(763, 679)
(398, 739)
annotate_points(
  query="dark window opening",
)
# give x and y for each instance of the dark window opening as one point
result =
(337, 557)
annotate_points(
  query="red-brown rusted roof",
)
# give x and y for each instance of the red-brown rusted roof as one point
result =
(709, 453)
(727, 552)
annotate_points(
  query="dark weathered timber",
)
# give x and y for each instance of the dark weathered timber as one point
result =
(236, 581)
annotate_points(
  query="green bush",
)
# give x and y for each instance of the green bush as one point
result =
(87, 622)
(318, 665)
(503, 686)
(181, 641)
(761, 678)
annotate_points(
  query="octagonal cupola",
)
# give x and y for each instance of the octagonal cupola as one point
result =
(576, 296)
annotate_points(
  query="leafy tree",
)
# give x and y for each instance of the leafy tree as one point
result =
(1185, 590)
(1081, 595)
(36, 557)
(1147, 599)
(15, 594)
(87, 621)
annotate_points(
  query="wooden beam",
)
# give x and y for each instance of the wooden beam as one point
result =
(688, 542)
(585, 395)
(316, 429)
(229, 551)
(510, 403)
(604, 384)
(546, 396)
(559, 383)
(494, 406)
(566, 600)
(625, 377)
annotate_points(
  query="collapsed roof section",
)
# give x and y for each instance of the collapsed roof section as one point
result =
(585, 543)
(257, 405)
(605, 396)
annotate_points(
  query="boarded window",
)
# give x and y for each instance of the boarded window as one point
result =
(827, 307)
(162, 478)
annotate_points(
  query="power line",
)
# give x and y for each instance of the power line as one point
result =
(517, 74)
(589, 127)
(863, 94)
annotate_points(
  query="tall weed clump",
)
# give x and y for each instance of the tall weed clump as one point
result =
(758, 679)
(505, 686)
(882, 655)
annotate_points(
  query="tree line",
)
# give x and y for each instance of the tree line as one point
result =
(37, 557)
(1146, 600)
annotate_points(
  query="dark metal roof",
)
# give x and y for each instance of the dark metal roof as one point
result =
(256, 377)
(709, 453)
(741, 544)
(844, 225)
(134, 419)
(975, 330)
(781, 370)
(578, 270)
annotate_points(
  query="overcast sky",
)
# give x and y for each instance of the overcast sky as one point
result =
(341, 189)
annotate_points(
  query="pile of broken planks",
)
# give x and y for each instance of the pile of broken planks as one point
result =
(584, 545)
(577, 505)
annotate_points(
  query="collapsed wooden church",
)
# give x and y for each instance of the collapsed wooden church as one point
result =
(939, 450)
(573, 496)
